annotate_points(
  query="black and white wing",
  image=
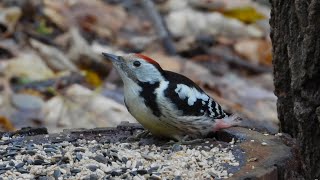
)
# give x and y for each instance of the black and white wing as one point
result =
(189, 98)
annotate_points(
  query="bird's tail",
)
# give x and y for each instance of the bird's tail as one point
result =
(233, 120)
(226, 122)
(263, 126)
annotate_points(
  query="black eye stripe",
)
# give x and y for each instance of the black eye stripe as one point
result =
(136, 63)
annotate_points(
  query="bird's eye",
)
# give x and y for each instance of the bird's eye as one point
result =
(136, 63)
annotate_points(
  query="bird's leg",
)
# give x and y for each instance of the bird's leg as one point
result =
(143, 134)
(140, 135)
(184, 141)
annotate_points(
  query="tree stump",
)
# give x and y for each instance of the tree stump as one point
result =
(259, 156)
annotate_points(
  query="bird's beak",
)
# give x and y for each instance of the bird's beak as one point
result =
(111, 57)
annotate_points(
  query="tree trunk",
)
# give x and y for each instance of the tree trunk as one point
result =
(295, 34)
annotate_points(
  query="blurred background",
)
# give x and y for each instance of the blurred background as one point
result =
(52, 73)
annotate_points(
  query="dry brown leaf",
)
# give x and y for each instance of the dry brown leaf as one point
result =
(54, 57)
(6, 124)
(28, 65)
(9, 18)
(265, 52)
(257, 51)
(80, 107)
(92, 16)
(167, 62)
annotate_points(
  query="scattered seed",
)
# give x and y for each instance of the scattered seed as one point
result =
(147, 157)
(176, 147)
(22, 170)
(78, 149)
(101, 159)
(19, 165)
(56, 173)
(38, 162)
(142, 171)
(50, 150)
(88, 160)
(92, 168)
(93, 177)
(252, 159)
(11, 153)
(75, 171)
(116, 173)
(154, 177)
(78, 156)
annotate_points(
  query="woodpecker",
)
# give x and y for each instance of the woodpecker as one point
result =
(167, 104)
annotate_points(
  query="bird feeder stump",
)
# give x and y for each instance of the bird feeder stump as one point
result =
(263, 156)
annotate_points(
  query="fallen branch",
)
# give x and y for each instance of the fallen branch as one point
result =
(43, 85)
(160, 26)
(238, 61)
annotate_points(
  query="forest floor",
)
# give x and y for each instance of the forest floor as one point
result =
(53, 74)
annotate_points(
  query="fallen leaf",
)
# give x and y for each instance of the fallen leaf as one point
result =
(9, 18)
(257, 51)
(245, 14)
(43, 28)
(80, 107)
(92, 16)
(92, 78)
(28, 66)
(189, 22)
(167, 62)
(55, 58)
(6, 124)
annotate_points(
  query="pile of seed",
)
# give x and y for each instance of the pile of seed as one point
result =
(91, 160)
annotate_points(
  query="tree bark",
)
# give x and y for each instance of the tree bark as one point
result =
(295, 34)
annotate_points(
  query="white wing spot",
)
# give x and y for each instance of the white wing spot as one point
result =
(192, 94)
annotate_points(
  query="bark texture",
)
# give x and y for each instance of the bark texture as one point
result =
(295, 34)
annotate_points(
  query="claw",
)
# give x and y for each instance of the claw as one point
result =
(140, 135)
(143, 134)
(184, 141)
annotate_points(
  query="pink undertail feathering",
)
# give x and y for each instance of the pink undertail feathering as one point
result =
(229, 121)
(233, 119)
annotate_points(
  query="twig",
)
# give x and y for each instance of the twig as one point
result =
(160, 27)
(45, 84)
(238, 61)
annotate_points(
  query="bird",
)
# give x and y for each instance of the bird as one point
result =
(166, 103)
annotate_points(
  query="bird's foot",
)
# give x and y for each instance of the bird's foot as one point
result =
(140, 135)
(185, 141)
(143, 134)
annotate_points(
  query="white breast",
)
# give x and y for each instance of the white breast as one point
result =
(142, 113)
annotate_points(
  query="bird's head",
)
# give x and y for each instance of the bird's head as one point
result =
(136, 67)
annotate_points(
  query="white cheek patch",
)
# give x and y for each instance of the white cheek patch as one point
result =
(192, 94)
(148, 73)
